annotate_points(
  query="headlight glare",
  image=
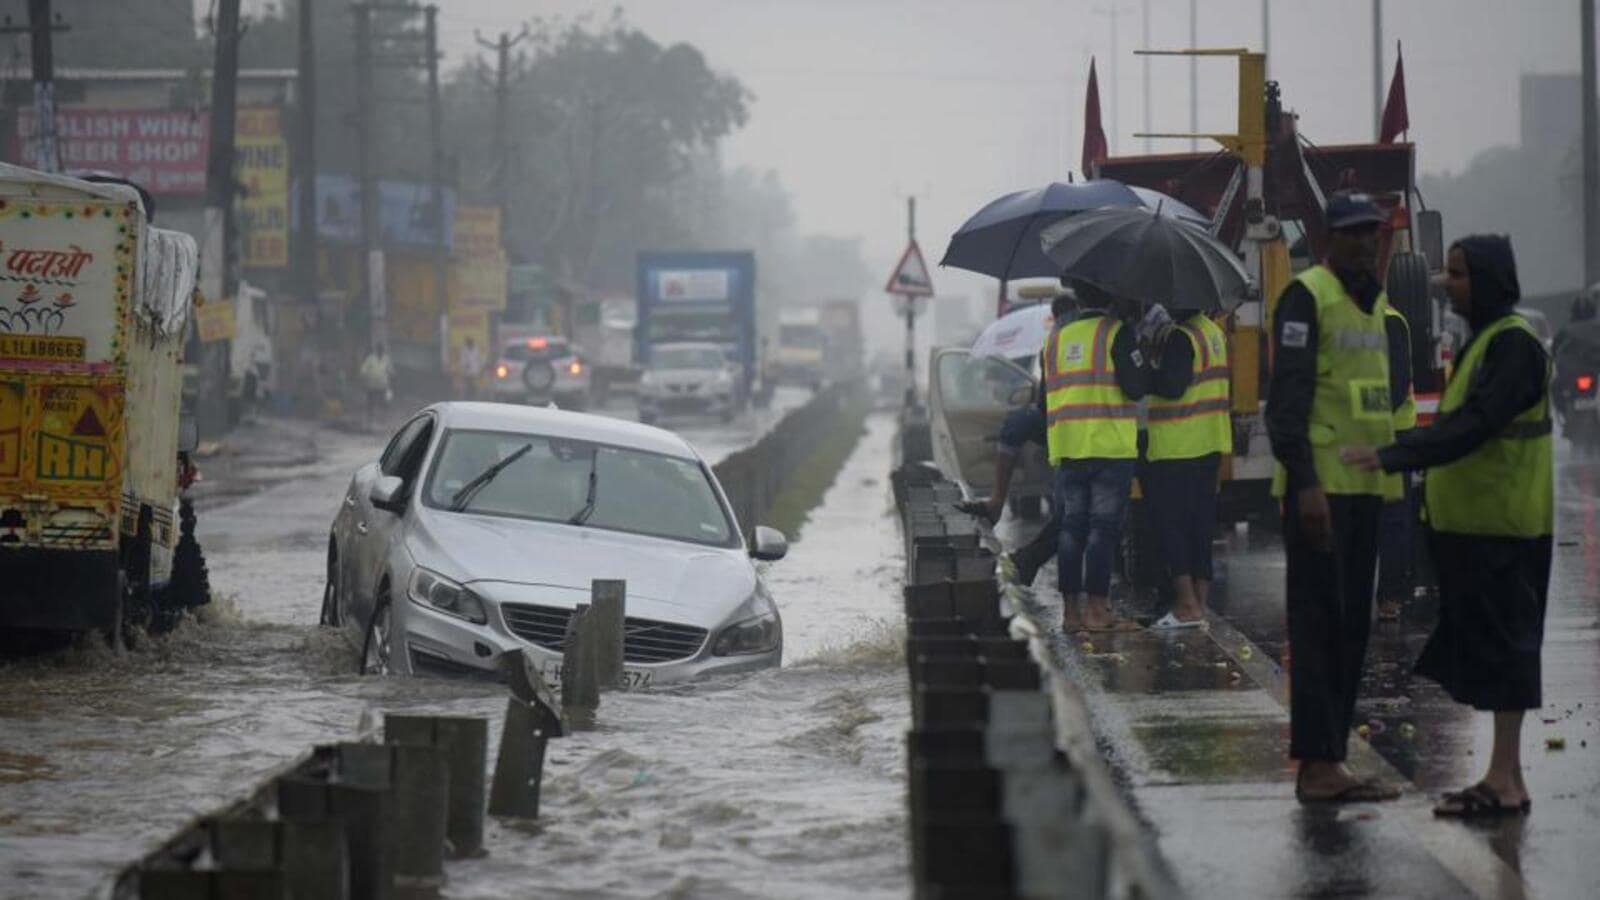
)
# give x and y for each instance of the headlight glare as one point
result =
(758, 634)
(437, 592)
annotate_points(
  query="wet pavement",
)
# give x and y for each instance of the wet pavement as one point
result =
(786, 783)
(1196, 727)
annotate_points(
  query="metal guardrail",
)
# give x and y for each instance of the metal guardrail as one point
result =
(1008, 795)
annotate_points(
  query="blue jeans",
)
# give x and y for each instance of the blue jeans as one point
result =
(1092, 495)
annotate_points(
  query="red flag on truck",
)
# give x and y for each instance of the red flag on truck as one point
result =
(1395, 119)
(1094, 136)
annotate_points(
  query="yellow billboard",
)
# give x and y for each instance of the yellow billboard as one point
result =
(262, 156)
(477, 262)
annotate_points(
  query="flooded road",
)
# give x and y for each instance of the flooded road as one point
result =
(784, 783)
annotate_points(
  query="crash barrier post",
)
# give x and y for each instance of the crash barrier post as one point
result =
(580, 672)
(754, 477)
(1004, 800)
(607, 607)
(531, 720)
(915, 442)
(464, 741)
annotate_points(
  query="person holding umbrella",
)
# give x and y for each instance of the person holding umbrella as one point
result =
(1330, 388)
(1094, 376)
(1491, 513)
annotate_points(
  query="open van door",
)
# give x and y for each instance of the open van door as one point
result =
(968, 399)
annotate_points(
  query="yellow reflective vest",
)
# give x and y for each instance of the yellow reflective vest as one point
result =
(1089, 416)
(1200, 422)
(1350, 407)
(1405, 415)
(1505, 488)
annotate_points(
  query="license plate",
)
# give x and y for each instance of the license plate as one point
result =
(632, 679)
(1586, 403)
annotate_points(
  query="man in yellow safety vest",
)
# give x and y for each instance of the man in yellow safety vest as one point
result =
(1190, 426)
(1094, 376)
(1330, 388)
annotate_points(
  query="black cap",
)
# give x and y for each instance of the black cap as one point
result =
(1349, 209)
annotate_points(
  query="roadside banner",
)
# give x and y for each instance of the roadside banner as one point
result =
(478, 270)
(263, 165)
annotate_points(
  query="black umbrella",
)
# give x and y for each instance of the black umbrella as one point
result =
(1139, 254)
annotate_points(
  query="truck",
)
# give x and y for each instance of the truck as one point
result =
(843, 350)
(602, 329)
(698, 297)
(94, 305)
(801, 343)
(251, 367)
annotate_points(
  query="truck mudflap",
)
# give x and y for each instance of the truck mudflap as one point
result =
(60, 590)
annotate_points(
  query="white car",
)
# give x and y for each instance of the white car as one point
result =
(541, 370)
(483, 525)
(689, 377)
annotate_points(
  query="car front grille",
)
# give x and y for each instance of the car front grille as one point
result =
(645, 641)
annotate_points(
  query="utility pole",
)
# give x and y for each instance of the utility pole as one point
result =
(42, 27)
(1266, 34)
(502, 119)
(1591, 150)
(441, 256)
(911, 311)
(1113, 13)
(1194, 75)
(372, 288)
(1144, 44)
(306, 166)
(1377, 66)
(219, 263)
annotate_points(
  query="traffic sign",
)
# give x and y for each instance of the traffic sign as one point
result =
(910, 276)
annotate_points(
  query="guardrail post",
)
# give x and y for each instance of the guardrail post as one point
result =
(531, 720)
(464, 741)
(580, 682)
(608, 618)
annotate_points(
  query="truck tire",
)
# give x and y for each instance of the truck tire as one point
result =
(1407, 287)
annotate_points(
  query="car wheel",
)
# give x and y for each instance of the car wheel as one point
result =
(376, 647)
(331, 611)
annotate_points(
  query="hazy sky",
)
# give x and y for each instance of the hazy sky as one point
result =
(859, 102)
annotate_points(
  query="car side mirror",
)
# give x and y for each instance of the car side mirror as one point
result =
(188, 434)
(388, 494)
(770, 544)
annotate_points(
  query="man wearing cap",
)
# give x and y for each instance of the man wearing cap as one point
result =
(1330, 388)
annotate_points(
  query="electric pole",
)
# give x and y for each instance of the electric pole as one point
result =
(1144, 44)
(502, 120)
(306, 164)
(42, 27)
(372, 289)
(1591, 150)
(1266, 34)
(1194, 75)
(219, 263)
(441, 256)
(1377, 65)
(1113, 13)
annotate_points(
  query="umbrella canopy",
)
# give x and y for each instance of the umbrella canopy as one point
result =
(1017, 334)
(1002, 239)
(1139, 255)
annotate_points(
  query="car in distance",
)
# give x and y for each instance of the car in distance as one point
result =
(541, 370)
(689, 378)
(482, 526)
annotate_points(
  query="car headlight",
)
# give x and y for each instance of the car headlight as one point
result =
(758, 634)
(437, 592)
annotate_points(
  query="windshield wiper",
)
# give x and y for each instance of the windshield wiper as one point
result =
(464, 496)
(582, 515)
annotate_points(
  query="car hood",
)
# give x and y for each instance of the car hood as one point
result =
(666, 574)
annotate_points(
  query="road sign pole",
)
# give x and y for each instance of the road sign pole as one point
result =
(907, 283)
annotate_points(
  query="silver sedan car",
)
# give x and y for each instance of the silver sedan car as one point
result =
(482, 525)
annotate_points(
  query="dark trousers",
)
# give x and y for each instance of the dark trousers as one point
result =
(1395, 542)
(1032, 557)
(1092, 495)
(1330, 617)
(1181, 495)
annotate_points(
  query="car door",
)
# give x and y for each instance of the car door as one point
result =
(374, 528)
(968, 399)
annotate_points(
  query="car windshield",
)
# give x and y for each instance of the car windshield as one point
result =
(634, 490)
(687, 358)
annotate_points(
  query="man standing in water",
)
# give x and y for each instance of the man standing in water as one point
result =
(1330, 388)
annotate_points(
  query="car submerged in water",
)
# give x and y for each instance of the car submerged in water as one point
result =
(482, 526)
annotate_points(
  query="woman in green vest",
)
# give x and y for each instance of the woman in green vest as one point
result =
(1490, 513)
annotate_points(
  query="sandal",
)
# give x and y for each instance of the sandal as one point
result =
(1478, 802)
(1364, 791)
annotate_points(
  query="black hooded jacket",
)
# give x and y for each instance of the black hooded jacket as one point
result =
(1513, 375)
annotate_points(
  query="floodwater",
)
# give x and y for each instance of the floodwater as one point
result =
(784, 783)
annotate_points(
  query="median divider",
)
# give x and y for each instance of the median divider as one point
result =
(1007, 794)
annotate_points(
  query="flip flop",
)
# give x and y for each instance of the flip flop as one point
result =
(1366, 791)
(1478, 802)
(1170, 621)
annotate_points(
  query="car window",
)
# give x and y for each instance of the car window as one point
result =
(968, 382)
(394, 455)
(635, 491)
(523, 351)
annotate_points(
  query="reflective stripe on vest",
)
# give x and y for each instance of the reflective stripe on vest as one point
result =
(1405, 415)
(1200, 422)
(1505, 488)
(1088, 416)
(1350, 407)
